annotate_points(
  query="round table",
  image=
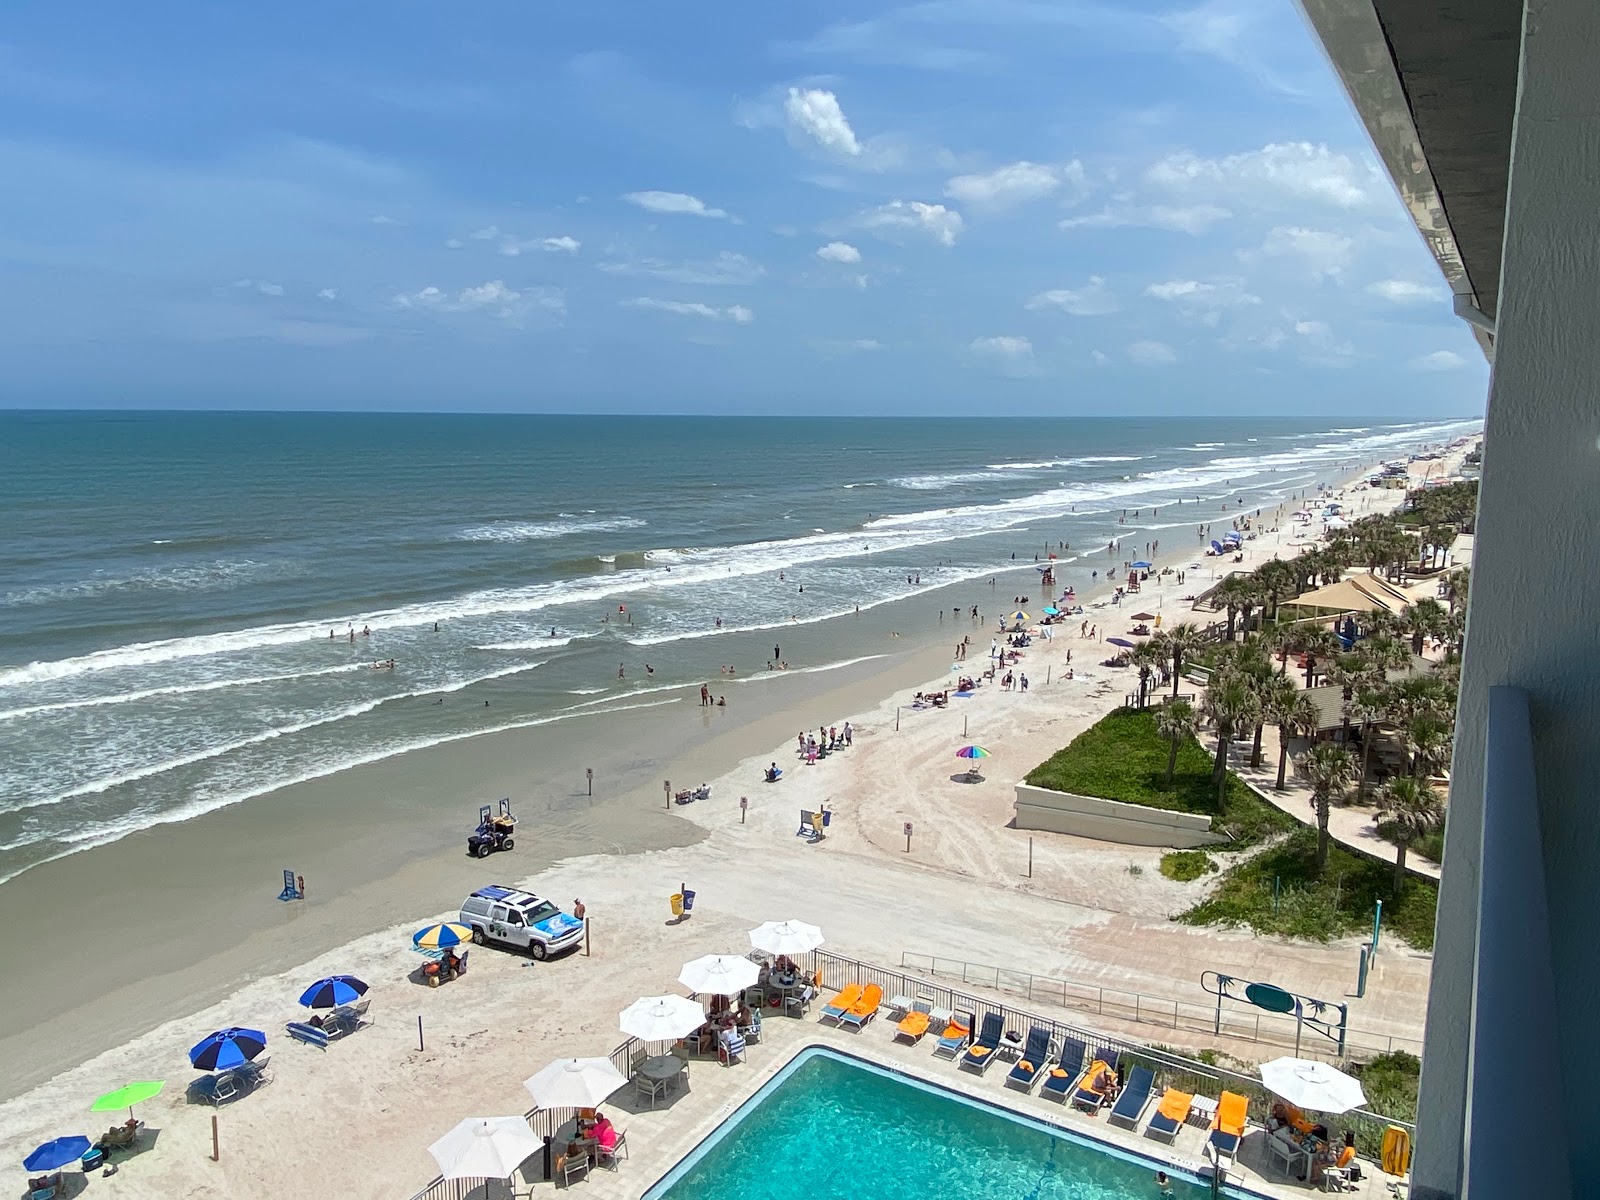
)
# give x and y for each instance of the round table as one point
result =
(663, 1068)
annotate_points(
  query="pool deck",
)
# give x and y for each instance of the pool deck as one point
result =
(658, 1139)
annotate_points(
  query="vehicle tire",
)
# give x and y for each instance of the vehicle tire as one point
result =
(481, 850)
(477, 936)
(538, 950)
(508, 844)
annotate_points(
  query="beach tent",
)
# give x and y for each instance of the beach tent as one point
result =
(1359, 593)
(1216, 546)
(1141, 565)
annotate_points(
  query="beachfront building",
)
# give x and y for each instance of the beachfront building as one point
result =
(1486, 114)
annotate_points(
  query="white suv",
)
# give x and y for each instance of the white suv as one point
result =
(513, 918)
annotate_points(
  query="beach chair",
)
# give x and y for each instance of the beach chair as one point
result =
(1134, 1098)
(841, 1003)
(955, 1036)
(864, 1009)
(730, 1047)
(981, 1053)
(1227, 1127)
(308, 1035)
(254, 1074)
(216, 1090)
(1035, 1057)
(752, 1031)
(915, 1023)
(1091, 1094)
(1340, 1177)
(1171, 1113)
(1058, 1080)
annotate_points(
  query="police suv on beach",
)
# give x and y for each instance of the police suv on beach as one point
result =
(513, 918)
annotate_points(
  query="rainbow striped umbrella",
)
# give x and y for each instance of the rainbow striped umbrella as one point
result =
(438, 937)
(973, 752)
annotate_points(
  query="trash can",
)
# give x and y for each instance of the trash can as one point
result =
(688, 900)
(677, 904)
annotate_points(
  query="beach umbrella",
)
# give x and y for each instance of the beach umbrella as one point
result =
(574, 1083)
(127, 1096)
(57, 1153)
(1141, 565)
(333, 991)
(438, 937)
(973, 752)
(1019, 615)
(1313, 1085)
(661, 1018)
(1144, 616)
(1123, 642)
(786, 937)
(719, 974)
(1051, 610)
(227, 1048)
(485, 1148)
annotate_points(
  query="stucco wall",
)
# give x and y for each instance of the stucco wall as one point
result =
(1110, 820)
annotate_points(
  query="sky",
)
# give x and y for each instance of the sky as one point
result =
(960, 207)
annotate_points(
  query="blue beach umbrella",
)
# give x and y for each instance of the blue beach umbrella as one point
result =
(333, 991)
(1141, 565)
(55, 1154)
(1124, 642)
(227, 1048)
(1051, 611)
(440, 937)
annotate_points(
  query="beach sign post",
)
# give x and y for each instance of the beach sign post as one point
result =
(666, 786)
(588, 774)
(292, 890)
(744, 803)
(908, 837)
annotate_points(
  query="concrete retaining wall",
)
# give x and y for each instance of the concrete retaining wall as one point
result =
(1111, 820)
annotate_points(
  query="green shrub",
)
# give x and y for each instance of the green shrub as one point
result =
(1186, 865)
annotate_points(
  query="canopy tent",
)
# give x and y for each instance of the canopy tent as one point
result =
(1359, 593)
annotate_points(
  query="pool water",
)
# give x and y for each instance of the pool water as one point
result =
(829, 1127)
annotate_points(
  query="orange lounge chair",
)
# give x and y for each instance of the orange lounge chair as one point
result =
(1089, 1096)
(1227, 1127)
(955, 1037)
(864, 1009)
(1171, 1113)
(842, 1003)
(914, 1024)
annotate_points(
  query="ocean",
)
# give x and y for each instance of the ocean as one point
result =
(178, 591)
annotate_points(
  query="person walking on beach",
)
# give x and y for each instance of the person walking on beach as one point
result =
(776, 656)
(705, 695)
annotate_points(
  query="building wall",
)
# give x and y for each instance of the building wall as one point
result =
(1110, 820)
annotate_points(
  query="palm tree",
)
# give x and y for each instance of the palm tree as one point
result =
(1327, 768)
(1428, 739)
(1415, 810)
(1275, 577)
(1233, 593)
(1370, 703)
(1180, 642)
(1425, 618)
(1303, 718)
(1278, 696)
(1230, 705)
(1147, 658)
(1317, 644)
(1176, 723)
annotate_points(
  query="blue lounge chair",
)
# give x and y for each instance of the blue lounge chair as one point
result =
(1135, 1097)
(1035, 1057)
(1060, 1078)
(309, 1034)
(1089, 1096)
(982, 1051)
(955, 1037)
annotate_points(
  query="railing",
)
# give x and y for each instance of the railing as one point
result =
(1170, 1068)
(1180, 1015)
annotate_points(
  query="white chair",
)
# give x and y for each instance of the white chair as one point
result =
(572, 1165)
(608, 1158)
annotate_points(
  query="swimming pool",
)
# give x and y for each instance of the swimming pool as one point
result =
(833, 1127)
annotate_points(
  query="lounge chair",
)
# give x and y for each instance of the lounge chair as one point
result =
(1338, 1177)
(1171, 1113)
(309, 1035)
(915, 1023)
(1134, 1098)
(217, 1089)
(841, 1003)
(1091, 1094)
(864, 1009)
(957, 1033)
(1227, 1127)
(982, 1051)
(1058, 1080)
(1035, 1058)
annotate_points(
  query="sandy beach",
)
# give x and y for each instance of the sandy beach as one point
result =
(381, 848)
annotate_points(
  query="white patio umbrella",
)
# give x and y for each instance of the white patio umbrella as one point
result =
(485, 1148)
(574, 1083)
(719, 974)
(662, 1018)
(786, 937)
(1313, 1085)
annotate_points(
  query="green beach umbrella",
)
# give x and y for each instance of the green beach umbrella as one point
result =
(127, 1096)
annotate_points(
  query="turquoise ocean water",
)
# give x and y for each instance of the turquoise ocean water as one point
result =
(169, 582)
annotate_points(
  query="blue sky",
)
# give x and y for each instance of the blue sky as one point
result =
(957, 206)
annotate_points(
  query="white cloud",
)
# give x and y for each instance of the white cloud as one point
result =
(737, 313)
(1201, 301)
(1099, 359)
(1093, 299)
(328, 294)
(1439, 360)
(487, 234)
(942, 224)
(549, 245)
(1298, 171)
(485, 294)
(675, 203)
(839, 252)
(1193, 218)
(384, 219)
(1010, 354)
(831, 349)
(263, 286)
(815, 114)
(1015, 183)
(495, 297)
(454, 243)
(1151, 353)
(1403, 291)
(1319, 348)
(726, 268)
(1322, 253)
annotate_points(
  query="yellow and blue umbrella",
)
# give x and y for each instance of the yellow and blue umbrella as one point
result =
(127, 1096)
(973, 752)
(1019, 615)
(333, 991)
(227, 1048)
(57, 1153)
(439, 937)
